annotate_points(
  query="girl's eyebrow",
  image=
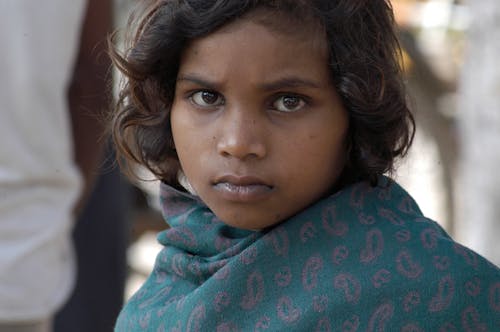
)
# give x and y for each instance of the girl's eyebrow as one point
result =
(199, 81)
(289, 82)
(282, 83)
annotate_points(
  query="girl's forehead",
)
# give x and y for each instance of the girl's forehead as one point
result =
(306, 29)
(251, 52)
(285, 22)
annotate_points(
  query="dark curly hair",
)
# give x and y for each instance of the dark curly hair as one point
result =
(364, 56)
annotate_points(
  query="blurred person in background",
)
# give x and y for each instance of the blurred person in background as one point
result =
(52, 93)
(100, 239)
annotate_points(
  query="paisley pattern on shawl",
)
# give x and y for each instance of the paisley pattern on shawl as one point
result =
(363, 259)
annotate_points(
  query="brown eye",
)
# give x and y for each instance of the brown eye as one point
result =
(289, 103)
(207, 98)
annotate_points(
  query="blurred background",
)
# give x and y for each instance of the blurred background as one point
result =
(451, 55)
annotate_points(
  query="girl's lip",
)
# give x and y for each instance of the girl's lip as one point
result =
(242, 188)
(240, 180)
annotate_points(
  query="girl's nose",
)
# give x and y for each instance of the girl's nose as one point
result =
(241, 137)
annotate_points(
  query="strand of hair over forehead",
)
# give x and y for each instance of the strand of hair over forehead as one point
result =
(194, 18)
(234, 8)
(244, 5)
(201, 7)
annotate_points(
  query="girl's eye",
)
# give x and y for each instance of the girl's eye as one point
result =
(289, 103)
(207, 98)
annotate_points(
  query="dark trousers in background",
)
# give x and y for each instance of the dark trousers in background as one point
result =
(101, 238)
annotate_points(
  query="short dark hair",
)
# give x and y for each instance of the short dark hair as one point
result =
(364, 61)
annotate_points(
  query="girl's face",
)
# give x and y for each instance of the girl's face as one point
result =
(258, 126)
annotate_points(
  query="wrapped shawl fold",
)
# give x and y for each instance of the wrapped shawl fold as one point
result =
(363, 259)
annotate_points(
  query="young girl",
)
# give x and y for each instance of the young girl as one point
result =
(270, 124)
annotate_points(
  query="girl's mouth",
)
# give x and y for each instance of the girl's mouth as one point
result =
(242, 188)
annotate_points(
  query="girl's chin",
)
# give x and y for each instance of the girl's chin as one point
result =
(255, 223)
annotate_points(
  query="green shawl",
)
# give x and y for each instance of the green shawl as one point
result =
(363, 259)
